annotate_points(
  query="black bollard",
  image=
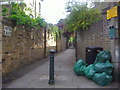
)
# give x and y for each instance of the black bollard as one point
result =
(51, 68)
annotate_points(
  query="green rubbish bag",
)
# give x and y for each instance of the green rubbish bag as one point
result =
(102, 79)
(103, 67)
(79, 67)
(89, 71)
(103, 56)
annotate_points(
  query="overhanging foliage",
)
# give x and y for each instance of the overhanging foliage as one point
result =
(18, 16)
(81, 17)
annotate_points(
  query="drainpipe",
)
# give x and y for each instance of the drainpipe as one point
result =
(1, 46)
(115, 46)
(75, 45)
(45, 42)
(35, 8)
(118, 45)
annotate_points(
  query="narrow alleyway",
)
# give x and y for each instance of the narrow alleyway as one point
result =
(64, 75)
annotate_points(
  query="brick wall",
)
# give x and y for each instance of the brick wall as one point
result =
(96, 35)
(61, 44)
(24, 46)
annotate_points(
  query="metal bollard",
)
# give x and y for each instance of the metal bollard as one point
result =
(51, 68)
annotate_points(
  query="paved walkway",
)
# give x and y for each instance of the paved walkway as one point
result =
(64, 75)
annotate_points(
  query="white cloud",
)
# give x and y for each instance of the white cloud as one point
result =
(53, 10)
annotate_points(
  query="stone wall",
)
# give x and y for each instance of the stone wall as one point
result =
(96, 35)
(23, 45)
(61, 44)
(0, 48)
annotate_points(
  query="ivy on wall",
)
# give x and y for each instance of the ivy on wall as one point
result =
(18, 16)
(56, 32)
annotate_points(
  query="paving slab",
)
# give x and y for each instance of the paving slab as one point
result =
(64, 75)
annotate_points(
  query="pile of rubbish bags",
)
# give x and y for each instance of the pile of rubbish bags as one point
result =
(100, 71)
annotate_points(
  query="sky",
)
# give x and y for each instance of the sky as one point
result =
(53, 10)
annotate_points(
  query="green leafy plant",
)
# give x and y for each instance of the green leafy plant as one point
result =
(18, 16)
(118, 4)
(4, 11)
(40, 21)
(68, 34)
(54, 30)
(81, 17)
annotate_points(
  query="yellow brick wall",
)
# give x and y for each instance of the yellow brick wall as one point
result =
(25, 45)
(96, 35)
